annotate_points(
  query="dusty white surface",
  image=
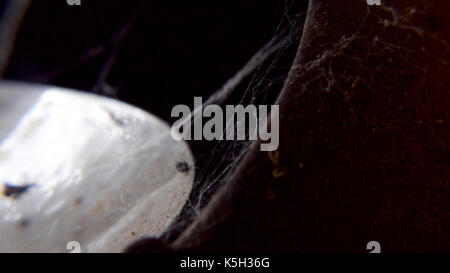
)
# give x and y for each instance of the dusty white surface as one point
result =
(102, 173)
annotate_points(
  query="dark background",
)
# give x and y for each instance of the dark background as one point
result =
(172, 52)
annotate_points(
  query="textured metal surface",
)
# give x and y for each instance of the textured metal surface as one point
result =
(78, 167)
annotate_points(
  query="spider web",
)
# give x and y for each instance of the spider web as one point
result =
(257, 83)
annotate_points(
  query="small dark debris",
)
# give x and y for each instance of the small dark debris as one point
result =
(24, 223)
(78, 201)
(183, 167)
(16, 191)
(133, 233)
